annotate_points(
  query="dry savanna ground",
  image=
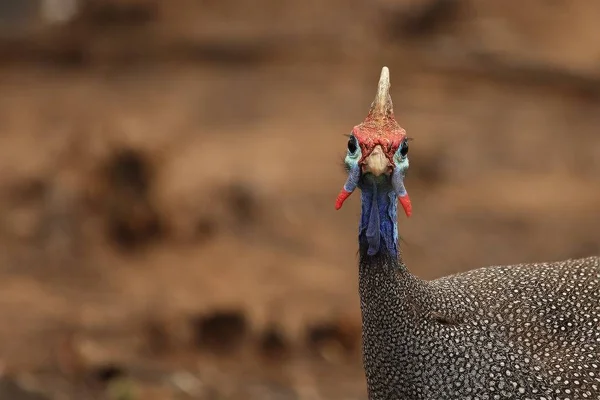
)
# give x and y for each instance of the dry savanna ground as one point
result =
(168, 173)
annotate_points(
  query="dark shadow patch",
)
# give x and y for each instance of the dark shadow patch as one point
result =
(68, 54)
(129, 170)
(158, 340)
(104, 374)
(130, 232)
(206, 229)
(425, 19)
(29, 190)
(273, 345)
(222, 332)
(132, 219)
(66, 57)
(243, 204)
(111, 14)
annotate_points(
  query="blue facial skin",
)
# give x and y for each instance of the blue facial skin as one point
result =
(378, 229)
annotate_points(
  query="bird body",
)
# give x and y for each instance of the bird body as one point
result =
(527, 331)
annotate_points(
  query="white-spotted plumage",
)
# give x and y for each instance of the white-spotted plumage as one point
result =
(528, 331)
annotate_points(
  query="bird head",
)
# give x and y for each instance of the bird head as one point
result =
(377, 151)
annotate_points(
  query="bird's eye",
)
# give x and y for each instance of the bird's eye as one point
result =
(352, 146)
(404, 148)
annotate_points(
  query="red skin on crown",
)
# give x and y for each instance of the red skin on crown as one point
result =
(383, 131)
(379, 131)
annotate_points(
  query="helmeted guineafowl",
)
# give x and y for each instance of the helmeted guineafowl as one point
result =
(529, 331)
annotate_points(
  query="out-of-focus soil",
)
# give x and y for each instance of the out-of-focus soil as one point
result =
(168, 173)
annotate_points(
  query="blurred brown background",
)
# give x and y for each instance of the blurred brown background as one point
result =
(168, 171)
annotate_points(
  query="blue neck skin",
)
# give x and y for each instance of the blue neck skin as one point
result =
(378, 230)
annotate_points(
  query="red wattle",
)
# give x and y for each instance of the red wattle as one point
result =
(405, 201)
(341, 198)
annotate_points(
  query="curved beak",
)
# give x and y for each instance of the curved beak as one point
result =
(377, 163)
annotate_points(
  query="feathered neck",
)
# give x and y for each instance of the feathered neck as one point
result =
(386, 286)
